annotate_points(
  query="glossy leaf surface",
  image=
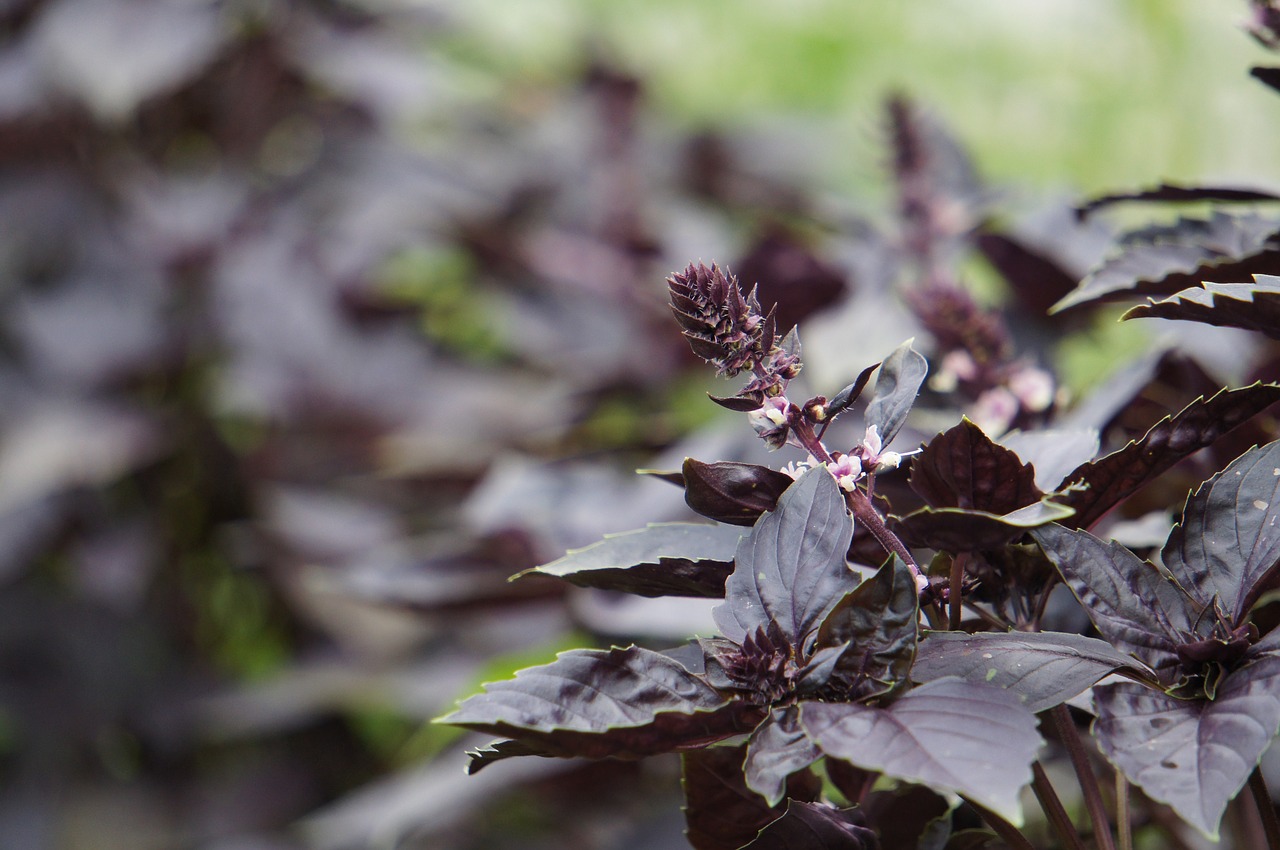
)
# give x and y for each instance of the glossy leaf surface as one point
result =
(963, 468)
(734, 493)
(1043, 668)
(596, 703)
(1195, 755)
(878, 622)
(1228, 543)
(1135, 606)
(668, 559)
(791, 569)
(949, 734)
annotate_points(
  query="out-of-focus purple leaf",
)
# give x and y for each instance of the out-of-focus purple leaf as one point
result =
(963, 468)
(1053, 452)
(1133, 604)
(787, 273)
(791, 569)
(1163, 259)
(988, 737)
(1194, 755)
(721, 812)
(1251, 306)
(622, 703)
(878, 623)
(897, 386)
(1043, 668)
(963, 530)
(1266, 76)
(734, 493)
(1038, 280)
(114, 55)
(1112, 478)
(57, 445)
(777, 749)
(1170, 193)
(815, 826)
(1226, 549)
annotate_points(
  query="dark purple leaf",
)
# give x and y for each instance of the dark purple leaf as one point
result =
(777, 749)
(960, 530)
(667, 559)
(897, 386)
(734, 493)
(963, 468)
(791, 569)
(949, 734)
(1267, 76)
(851, 393)
(1169, 193)
(815, 826)
(1113, 478)
(1227, 546)
(721, 812)
(1164, 259)
(874, 628)
(1194, 755)
(624, 703)
(482, 757)
(1132, 603)
(1043, 668)
(744, 403)
(1038, 280)
(909, 818)
(1251, 306)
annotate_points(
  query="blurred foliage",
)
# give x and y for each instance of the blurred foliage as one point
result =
(320, 320)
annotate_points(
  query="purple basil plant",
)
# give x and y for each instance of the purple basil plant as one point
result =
(910, 637)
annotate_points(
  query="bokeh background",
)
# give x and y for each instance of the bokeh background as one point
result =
(321, 319)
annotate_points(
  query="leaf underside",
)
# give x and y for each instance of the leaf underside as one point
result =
(1164, 259)
(1251, 306)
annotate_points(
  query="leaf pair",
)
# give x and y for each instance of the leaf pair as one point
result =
(1193, 740)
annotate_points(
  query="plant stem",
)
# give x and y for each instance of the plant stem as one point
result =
(1007, 831)
(866, 513)
(1054, 809)
(1266, 808)
(1070, 737)
(953, 596)
(1124, 829)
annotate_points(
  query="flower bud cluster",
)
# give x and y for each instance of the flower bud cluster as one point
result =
(723, 327)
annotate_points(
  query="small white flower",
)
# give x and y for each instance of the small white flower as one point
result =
(871, 444)
(847, 470)
(1033, 387)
